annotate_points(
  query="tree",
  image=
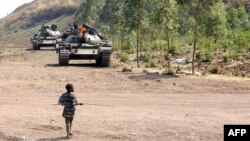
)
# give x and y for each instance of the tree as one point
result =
(135, 15)
(197, 12)
(166, 16)
(89, 11)
(112, 15)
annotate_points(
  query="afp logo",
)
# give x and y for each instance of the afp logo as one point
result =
(237, 133)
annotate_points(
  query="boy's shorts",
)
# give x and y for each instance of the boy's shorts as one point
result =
(68, 120)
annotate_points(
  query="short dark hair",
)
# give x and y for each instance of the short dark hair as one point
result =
(69, 87)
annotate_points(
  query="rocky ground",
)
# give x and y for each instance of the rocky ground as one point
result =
(118, 106)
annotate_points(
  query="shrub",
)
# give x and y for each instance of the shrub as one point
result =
(151, 64)
(146, 58)
(207, 57)
(187, 61)
(124, 58)
(233, 54)
(126, 69)
(145, 71)
(168, 72)
(214, 69)
(172, 50)
(225, 58)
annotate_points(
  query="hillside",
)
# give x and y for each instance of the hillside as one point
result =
(27, 19)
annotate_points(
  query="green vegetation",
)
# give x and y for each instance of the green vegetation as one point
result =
(214, 69)
(156, 32)
(124, 58)
(168, 72)
(170, 27)
(126, 69)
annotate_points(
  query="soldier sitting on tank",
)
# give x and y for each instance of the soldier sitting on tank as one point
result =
(75, 30)
(44, 30)
(82, 31)
(92, 30)
(53, 27)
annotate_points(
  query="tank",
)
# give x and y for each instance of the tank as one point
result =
(47, 36)
(89, 47)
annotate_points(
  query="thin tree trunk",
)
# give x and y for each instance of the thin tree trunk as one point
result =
(121, 42)
(168, 47)
(113, 38)
(137, 48)
(141, 44)
(195, 34)
(138, 36)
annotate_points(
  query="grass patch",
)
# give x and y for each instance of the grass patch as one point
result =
(168, 72)
(214, 69)
(125, 58)
(126, 69)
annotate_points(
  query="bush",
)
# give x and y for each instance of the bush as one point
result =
(125, 58)
(145, 71)
(151, 64)
(225, 58)
(233, 54)
(129, 43)
(172, 50)
(168, 72)
(214, 69)
(126, 69)
(207, 57)
(187, 61)
(146, 58)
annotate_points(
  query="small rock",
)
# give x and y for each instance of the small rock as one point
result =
(23, 138)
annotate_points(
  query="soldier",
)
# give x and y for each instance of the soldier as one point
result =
(68, 100)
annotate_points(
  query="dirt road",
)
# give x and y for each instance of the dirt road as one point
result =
(119, 106)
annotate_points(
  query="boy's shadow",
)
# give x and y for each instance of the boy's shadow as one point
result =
(53, 139)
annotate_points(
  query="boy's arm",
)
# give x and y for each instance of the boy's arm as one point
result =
(75, 101)
(60, 101)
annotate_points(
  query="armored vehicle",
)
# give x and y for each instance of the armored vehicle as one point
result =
(88, 47)
(47, 36)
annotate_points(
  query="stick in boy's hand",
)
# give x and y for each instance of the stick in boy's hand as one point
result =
(79, 104)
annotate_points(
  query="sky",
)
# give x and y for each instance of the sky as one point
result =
(8, 6)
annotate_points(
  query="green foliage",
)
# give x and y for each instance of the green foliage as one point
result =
(172, 49)
(168, 72)
(233, 54)
(225, 57)
(214, 69)
(130, 42)
(206, 57)
(151, 64)
(147, 57)
(124, 57)
(134, 13)
(89, 11)
(167, 26)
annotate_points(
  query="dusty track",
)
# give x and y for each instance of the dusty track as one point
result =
(130, 106)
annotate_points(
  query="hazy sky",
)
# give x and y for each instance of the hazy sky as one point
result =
(8, 6)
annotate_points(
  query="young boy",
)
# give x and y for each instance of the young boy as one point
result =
(68, 100)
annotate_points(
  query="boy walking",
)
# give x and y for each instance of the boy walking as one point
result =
(68, 100)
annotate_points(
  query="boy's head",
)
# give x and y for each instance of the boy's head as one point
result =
(69, 88)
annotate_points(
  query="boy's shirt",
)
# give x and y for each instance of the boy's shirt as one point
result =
(68, 100)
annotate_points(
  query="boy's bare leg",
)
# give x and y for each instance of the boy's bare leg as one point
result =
(67, 121)
(71, 133)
